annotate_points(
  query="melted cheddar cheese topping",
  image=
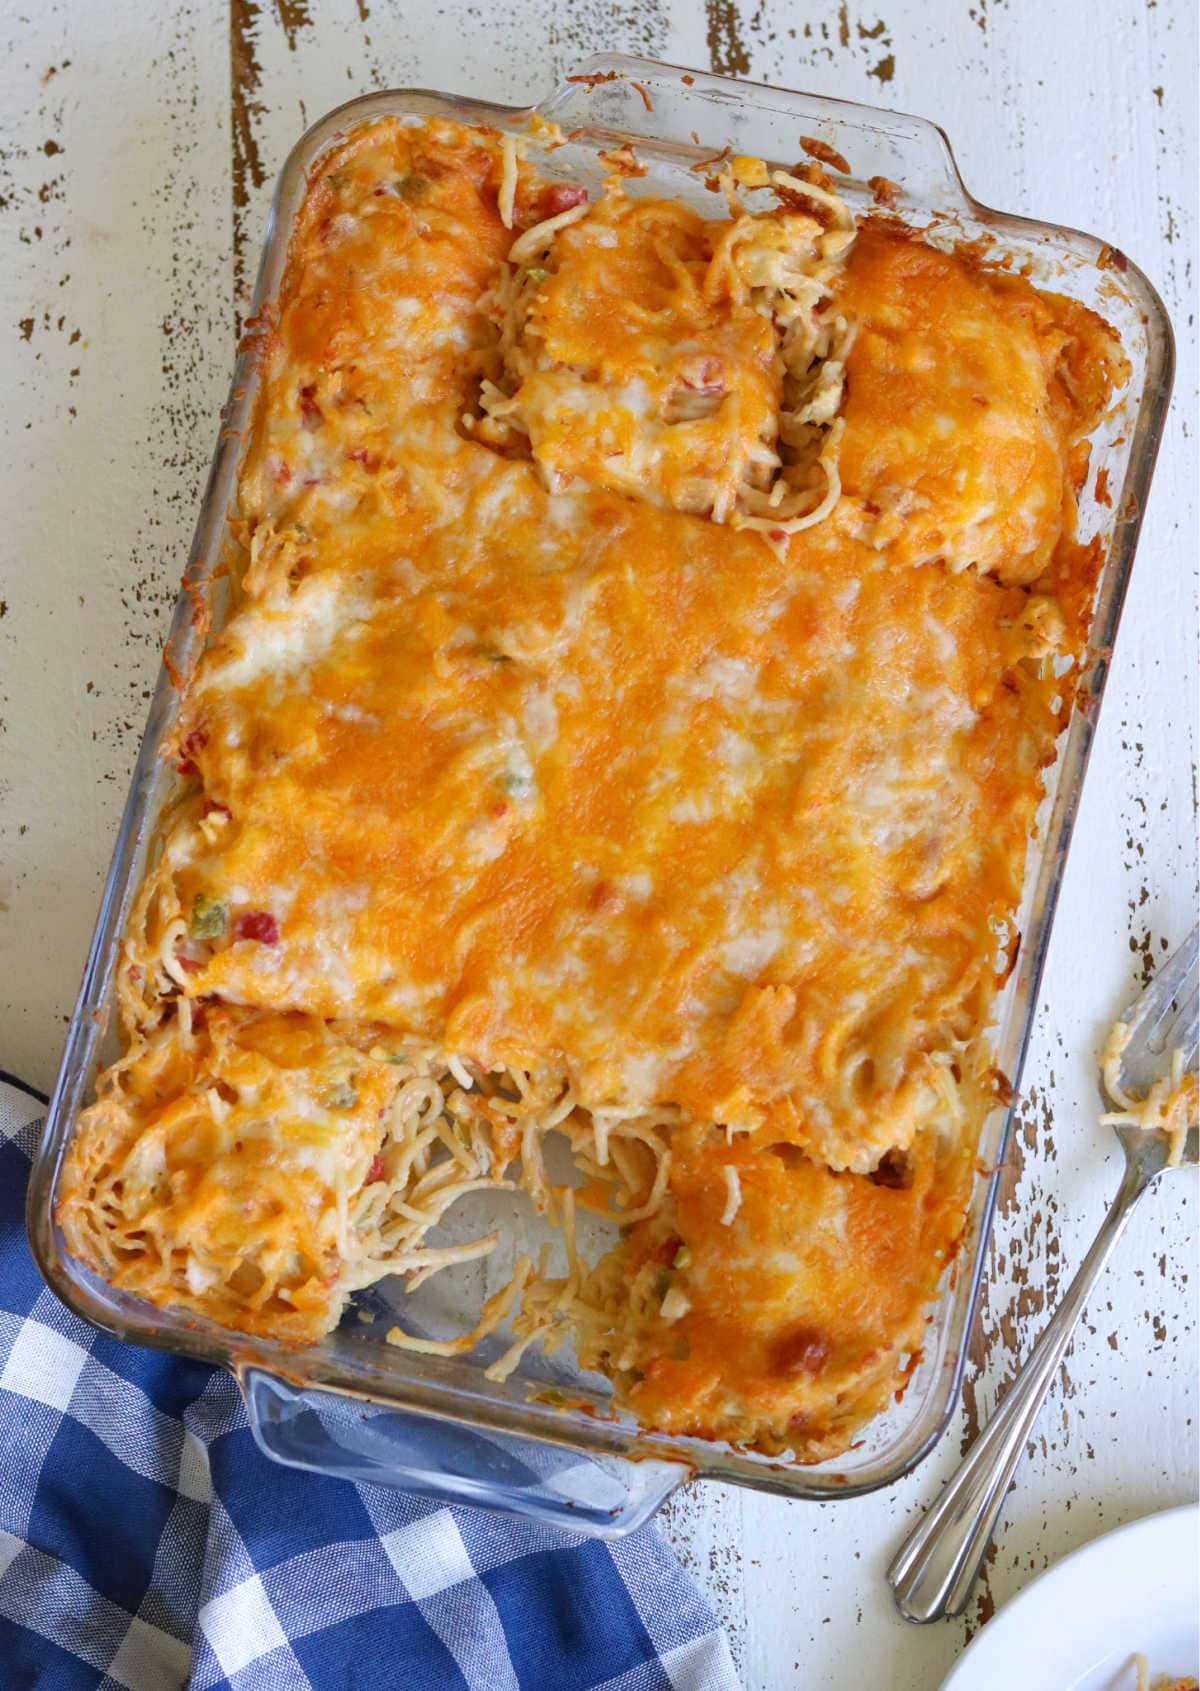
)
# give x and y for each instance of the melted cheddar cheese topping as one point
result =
(638, 682)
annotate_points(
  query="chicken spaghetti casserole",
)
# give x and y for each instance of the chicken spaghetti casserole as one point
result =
(649, 627)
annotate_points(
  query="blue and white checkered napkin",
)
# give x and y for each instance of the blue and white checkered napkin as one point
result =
(146, 1543)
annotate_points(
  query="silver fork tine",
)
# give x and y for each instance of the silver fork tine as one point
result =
(1178, 973)
(1170, 1023)
(1186, 1034)
(1179, 1032)
(1182, 1033)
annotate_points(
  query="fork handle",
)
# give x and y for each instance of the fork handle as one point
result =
(935, 1568)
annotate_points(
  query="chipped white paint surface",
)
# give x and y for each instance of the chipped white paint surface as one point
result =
(138, 143)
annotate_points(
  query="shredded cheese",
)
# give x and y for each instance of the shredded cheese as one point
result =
(508, 180)
(733, 1199)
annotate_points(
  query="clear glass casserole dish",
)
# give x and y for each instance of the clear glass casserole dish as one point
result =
(546, 1442)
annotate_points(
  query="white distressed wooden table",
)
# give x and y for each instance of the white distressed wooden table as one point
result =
(139, 142)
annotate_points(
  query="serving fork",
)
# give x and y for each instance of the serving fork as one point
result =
(935, 1568)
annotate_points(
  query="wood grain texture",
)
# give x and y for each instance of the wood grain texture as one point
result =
(138, 147)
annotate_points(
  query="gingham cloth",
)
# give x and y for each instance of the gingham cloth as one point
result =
(146, 1543)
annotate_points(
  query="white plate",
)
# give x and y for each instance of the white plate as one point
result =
(1077, 1626)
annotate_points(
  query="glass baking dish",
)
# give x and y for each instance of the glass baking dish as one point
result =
(546, 1442)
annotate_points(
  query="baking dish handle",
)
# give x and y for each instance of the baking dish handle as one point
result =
(623, 95)
(350, 1438)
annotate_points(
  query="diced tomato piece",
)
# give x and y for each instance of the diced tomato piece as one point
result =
(561, 196)
(195, 742)
(375, 1172)
(259, 925)
(704, 377)
(311, 414)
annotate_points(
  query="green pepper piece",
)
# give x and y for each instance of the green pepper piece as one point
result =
(209, 918)
(341, 1096)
